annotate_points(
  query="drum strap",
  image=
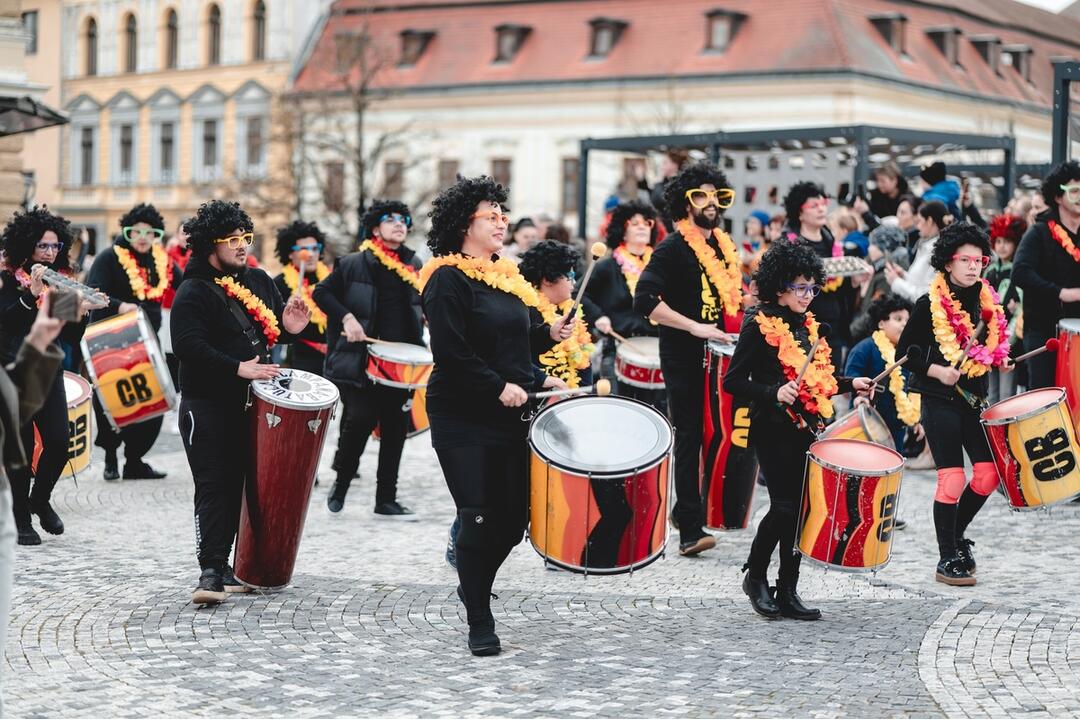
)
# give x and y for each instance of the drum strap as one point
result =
(242, 317)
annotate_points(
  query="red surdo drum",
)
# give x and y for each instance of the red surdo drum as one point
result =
(288, 418)
(730, 466)
(1067, 373)
(637, 363)
(399, 365)
(599, 484)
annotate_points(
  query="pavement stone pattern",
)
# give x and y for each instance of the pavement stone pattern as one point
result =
(102, 624)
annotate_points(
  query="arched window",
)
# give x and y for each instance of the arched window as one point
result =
(131, 44)
(90, 45)
(213, 36)
(258, 30)
(172, 40)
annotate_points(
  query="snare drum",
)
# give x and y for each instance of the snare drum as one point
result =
(862, 423)
(80, 426)
(1033, 439)
(730, 466)
(599, 484)
(637, 363)
(849, 504)
(399, 365)
(1067, 374)
(128, 369)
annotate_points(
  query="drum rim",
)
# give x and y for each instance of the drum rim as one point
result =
(157, 361)
(716, 347)
(621, 570)
(991, 422)
(291, 404)
(85, 386)
(638, 383)
(375, 345)
(850, 471)
(1037, 508)
(394, 383)
(636, 341)
(1063, 325)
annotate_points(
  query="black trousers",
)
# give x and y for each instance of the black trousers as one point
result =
(1041, 367)
(685, 382)
(137, 439)
(52, 424)
(364, 409)
(215, 434)
(951, 428)
(489, 485)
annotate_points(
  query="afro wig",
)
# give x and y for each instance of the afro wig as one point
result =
(452, 211)
(1062, 174)
(1009, 227)
(952, 237)
(548, 260)
(215, 219)
(24, 231)
(694, 176)
(781, 264)
(145, 213)
(799, 193)
(288, 235)
(881, 308)
(616, 229)
(375, 213)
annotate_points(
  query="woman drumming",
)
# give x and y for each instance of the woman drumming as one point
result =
(954, 392)
(773, 344)
(36, 237)
(301, 243)
(483, 340)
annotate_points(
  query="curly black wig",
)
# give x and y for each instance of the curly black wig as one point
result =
(952, 237)
(548, 260)
(782, 263)
(1062, 174)
(616, 229)
(288, 235)
(881, 308)
(374, 214)
(143, 212)
(24, 231)
(694, 176)
(215, 219)
(799, 193)
(452, 210)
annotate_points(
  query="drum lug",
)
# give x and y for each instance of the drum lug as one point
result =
(314, 425)
(272, 420)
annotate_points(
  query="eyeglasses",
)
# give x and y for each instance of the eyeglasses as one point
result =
(980, 260)
(723, 198)
(1072, 191)
(317, 247)
(235, 241)
(133, 233)
(802, 289)
(49, 247)
(641, 222)
(494, 217)
(815, 203)
(397, 218)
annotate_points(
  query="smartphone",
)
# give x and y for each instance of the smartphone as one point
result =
(64, 305)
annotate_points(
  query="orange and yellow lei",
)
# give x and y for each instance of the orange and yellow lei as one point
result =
(307, 292)
(572, 354)
(819, 383)
(953, 328)
(256, 308)
(724, 276)
(137, 276)
(631, 265)
(908, 405)
(1062, 237)
(390, 259)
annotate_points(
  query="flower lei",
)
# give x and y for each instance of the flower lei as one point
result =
(1064, 240)
(908, 405)
(256, 308)
(501, 274)
(953, 328)
(390, 259)
(137, 276)
(724, 276)
(833, 284)
(631, 265)
(819, 382)
(23, 278)
(292, 277)
(572, 354)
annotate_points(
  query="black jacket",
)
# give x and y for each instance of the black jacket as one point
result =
(107, 275)
(1042, 268)
(18, 310)
(609, 291)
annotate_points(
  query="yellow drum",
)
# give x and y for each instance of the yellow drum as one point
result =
(1033, 439)
(80, 426)
(863, 423)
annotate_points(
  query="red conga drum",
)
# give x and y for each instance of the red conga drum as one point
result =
(288, 419)
(730, 466)
(1068, 365)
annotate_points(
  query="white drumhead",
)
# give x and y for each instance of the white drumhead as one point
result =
(640, 351)
(297, 389)
(76, 389)
(401, 353)
(1070, 325)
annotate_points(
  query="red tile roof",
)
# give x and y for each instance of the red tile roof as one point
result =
(667, 40)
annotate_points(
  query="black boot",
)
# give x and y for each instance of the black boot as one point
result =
(787, 595)
(969, 506)
(335, 501)
(950, 570)
(139, 470)
(25, 527)
(482, 638)
(112, 467)
(757, 589)
(50, 521)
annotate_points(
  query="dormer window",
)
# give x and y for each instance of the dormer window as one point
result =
(721, 28)
(947, 39)
(1019, 57)
(413, 44)
(893, 27)
(508, 40)
(605, 33)
(989, 48)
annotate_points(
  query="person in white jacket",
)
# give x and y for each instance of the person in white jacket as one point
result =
(914, 282)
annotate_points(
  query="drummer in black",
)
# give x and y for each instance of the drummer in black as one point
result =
(225, 319)
(692, 287)
(372, 293)
(774, 341)
(36, 237)
(135, 272)
(483, 339)
(301, 243)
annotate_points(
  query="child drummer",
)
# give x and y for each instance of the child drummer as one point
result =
(773, 344)
(954, 392)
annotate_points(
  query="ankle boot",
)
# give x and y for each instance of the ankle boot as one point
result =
(787, 595)
(25, 527)
(336, 500)
(112, 467)
(757, 589)
(40, 506)
(950, 569)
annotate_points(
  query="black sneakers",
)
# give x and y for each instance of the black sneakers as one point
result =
(335, 501)
(482, 639)
(230, 583)
(50, 521)
(27, 534)
(693, 544)
(394, 511)
(952, 572)
(964, 555)
(141, 471)
(211, 588)
(112, 469)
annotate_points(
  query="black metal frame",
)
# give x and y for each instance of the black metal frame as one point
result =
(856, 135)
(1065, 72)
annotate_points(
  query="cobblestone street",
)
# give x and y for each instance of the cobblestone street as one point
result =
(102, 626)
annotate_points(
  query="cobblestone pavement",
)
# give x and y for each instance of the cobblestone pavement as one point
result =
(102, 626)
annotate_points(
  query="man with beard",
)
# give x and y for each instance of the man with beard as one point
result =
(225, 319)
(135, 272)
(692, 287)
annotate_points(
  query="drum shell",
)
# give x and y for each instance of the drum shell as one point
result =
(80, 426)
(637, 363)
(1067, 368)
(730, 467)
(862, 423)
(1036, 452)
(384, 369)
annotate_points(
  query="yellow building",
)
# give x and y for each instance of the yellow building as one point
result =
(41, 149)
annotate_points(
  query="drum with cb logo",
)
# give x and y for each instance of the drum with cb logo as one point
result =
(80, 426)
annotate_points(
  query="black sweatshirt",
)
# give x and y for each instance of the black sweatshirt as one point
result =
(609, 291)
(920, 331)
(206, 337)
(1042, 268)
(108, 276)
(18, 310)
(755, 371)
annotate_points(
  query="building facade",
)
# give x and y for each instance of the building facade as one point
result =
(41, 149)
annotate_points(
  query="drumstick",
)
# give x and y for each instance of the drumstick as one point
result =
(602, 387)
(1052, 345)
(615, 335)
(987, 315)
(302, 256)
(823, 332)
(888, 371)
(599, 250)
(367, 339)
